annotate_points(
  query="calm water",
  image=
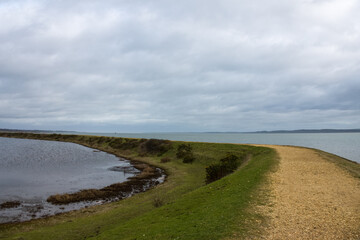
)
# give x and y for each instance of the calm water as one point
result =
(32, 170)
(346, 145)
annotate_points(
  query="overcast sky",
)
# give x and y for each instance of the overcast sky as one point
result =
(150, 66)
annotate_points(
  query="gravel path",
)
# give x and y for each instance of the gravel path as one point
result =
(311, 198)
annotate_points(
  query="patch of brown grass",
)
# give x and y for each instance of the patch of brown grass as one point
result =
(138, 183)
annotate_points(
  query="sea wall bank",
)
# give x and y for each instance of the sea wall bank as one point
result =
(170, 209)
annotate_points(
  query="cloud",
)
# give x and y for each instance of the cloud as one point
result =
(190, 66)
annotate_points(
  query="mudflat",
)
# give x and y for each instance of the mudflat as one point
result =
(312, 198)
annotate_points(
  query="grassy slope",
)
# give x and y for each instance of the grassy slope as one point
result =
(191, 209)
(210, 212)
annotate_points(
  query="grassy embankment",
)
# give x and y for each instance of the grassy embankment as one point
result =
(181, 208)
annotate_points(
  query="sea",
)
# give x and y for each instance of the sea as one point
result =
(346, 145)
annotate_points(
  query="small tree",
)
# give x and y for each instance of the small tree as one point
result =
(183, 150)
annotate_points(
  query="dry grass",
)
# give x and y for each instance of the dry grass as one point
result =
(119, 190)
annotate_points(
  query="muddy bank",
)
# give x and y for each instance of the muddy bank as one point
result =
(148, 177)
(19, 211)
(10, 204)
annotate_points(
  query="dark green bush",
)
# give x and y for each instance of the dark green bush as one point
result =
(91, 139)
(67, 136)
(230, 162)
(189, 158)
(214, 172)
(183, 150)
(125, 144)
(155, 146)
(101, 140)
(116, 143)
(226, 166)
(131, 143)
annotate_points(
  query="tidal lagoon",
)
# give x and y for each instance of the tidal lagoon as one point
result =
(32, 170)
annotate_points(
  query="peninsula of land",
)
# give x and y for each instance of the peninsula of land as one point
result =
(279, 192)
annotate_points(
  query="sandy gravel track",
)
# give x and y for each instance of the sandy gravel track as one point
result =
(311, 198)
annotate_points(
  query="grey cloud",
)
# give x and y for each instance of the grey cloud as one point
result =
(190, 66)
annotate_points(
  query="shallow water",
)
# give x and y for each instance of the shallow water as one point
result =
(32, 170)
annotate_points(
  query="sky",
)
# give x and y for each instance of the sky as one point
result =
(179, 66)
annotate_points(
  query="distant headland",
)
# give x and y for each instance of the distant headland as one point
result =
(312, 131)
(355, 130)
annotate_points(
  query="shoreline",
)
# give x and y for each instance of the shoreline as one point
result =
(149, 176)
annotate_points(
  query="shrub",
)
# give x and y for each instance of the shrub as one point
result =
(116, 143)
(124, 144)
(68, 136)
(130, 143)
(226, 166)
(183, 150)
(215, 172)
(101, 140)
(230, 162)
(189, 158)
(155, 146)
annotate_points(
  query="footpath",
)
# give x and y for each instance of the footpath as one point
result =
(311, 198)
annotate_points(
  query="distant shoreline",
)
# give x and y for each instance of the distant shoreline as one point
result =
(355, 130)
(312, 131)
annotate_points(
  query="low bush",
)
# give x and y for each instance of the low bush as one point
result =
(189, 158)
(155, 146)
(214, 172)
(124, 144)
(183, 150)
(116, 143)
(101, 140)
(226, 166)
(230, 162)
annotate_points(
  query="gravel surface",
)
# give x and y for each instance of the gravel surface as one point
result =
(311, 198)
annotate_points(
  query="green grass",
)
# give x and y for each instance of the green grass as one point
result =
(190, 210)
